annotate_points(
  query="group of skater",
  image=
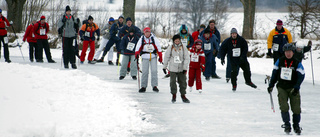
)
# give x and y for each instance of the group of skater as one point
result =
(191, 55)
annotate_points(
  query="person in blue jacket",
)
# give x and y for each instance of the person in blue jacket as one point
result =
(128, 47)
(210, 48)
(289, 74)
(125, 29)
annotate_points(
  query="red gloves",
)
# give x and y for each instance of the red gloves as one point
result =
(202, 67)
(160, 57)
(137, 55)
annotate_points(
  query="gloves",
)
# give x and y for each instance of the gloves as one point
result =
(11, 22)
(81, 38)
(202, 67)
(270, 89)
(165, 71)
(295, 92)
(160, 57)
(137, 55)
(184, 71)
(98, 38)
(310, 43)
(269, 53)
(222, 62)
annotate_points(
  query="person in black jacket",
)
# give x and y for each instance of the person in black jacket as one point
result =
(236, 47)
(300, 50)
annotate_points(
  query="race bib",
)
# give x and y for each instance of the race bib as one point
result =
(74, 43)
(130, 46)
(5, 39)
(207, 46)
(149, 47)
(87, 34)
(194, 57)
(176, 59)
(286, 73)
(275, 47)
(42, 31)
(236, 52)
(184, 42)
(33, 35)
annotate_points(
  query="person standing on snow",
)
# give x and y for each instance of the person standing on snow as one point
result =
(87, 32)
(105, 32)
(210, 48)
(177, 59)
(301, 49)
(68, 28)
(30, 37)
(196, 34)
(41, 29)
(276, 39)
(4, 23)
(237, 48)
(197, 61)
(148, 47)
(186, 38)
(128, 48)
(289, 74)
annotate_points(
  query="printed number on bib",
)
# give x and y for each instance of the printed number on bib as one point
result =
(5, 39)
(275, 47)
(236, 52)
(184, 42)
(42, 31)
(194, 57)
(207, 46)
(149, 47)
(130, 46)
(87, 34)
(286, 73)
(177, 59)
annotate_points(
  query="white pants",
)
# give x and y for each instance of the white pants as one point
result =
(103, 44)
(124, 64)
(145, 72)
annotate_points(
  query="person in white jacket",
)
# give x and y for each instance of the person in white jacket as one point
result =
(149, 48)
(177, 58)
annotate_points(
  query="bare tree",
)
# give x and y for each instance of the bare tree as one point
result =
(305, 14)
(129, 9)
(15, 8)
(249, 7)
(33, 10)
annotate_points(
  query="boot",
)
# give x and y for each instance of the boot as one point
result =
(66, 66)
(101, 59)
(251, 85)
(174, 96)
(227, 79)
(74, 66)
(155, 89)
(51, 61)
(92, 62)
(134, 77)
(142, 90)
(118, 63)
(296, 120)
(184, 99)
(121, 77)
(110, 63)
(286, 119)
(234, 88)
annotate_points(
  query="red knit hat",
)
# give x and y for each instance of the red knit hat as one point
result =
(42, 17)
(146, 29)
(198, 42)
(279, 22)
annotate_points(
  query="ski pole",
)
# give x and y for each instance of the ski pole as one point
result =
(20, 50)
(271, 100)
(138, 73)
(311, 66)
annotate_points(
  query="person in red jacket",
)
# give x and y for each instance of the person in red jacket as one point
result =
(4, 23)
(40, 30)
(196, 34)
(30, 37)
(197, 61)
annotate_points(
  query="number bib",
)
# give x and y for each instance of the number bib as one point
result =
(149, 47)
(184, 42)
(87, 34)
(33, 35)
(5, 39)
(275, 47)
(194, 57)
(207, 46)
(236, 52)
(176, 59)
(42, 31)
(286, 73)
(130, 46)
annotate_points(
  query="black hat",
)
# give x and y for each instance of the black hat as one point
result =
(202, 26)
(68, 8)
(176, 37)
(131, 29)
(128, 19)
(207, 31)
(90, 17)
(121, 16)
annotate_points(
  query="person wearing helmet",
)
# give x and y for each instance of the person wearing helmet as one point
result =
(197, 61)
(289, 74)
(301, 49)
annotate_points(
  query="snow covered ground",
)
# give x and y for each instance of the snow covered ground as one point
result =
(42, 100)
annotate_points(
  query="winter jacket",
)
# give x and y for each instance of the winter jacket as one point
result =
(299, 55)
(237, 53)
(297, 75)
(4, 23)
(38, 27)
(69, 27)
(105, 31)
(174, 52)
(213, 44)
(197, 58)
(88, 34)
(141, 47)
(215, 32)
(125, 29)
(115, 30)
(186, 39)
(124, 45)
(279, 37)
(29, 34)
(196, 35)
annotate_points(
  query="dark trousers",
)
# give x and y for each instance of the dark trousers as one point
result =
(109, 45)
(43, 44)
(228, 72)
(213, 71)
(68, 51)
(5, 48)
(33, 50)
(245, 66)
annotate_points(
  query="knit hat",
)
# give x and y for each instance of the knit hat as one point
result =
(279, 22)
(146, 29)
(131, 29)
(207, 31)
(68, 8)
(90, 17)
(111, 19)
(202, 26)
(198, 42)
(121, 16)
(176, 37)
(234, 30)
(42, 17)
(128, 19)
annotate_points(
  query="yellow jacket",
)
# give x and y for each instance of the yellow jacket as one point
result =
(273, 32)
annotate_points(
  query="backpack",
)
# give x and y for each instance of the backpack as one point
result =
(60, 30)
(143, 43)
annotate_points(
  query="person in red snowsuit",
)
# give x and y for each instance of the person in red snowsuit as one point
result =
(197, 61)
(30, 37)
